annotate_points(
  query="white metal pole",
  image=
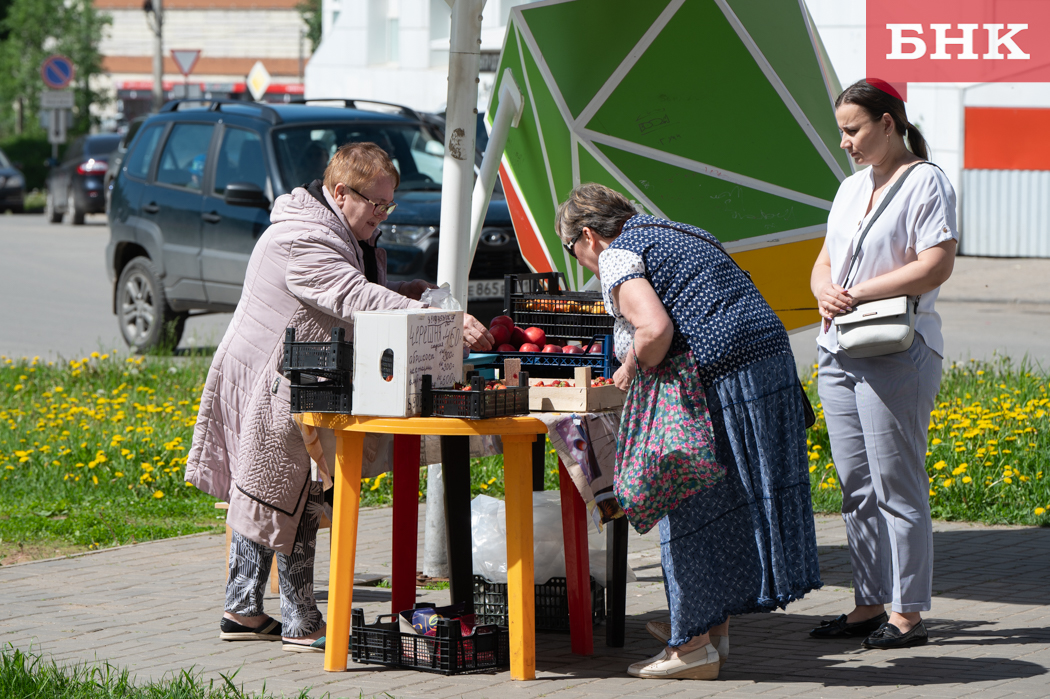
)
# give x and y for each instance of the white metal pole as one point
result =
(508, 113)
(461, 120)
(158, 55)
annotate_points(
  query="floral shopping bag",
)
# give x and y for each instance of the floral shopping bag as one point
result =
(665, 449)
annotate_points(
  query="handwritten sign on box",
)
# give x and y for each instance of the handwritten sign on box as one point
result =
(392, 351)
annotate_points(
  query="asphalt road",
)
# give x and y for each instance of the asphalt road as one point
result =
(57, 300)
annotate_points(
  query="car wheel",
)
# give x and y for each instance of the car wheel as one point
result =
(74, 216)
(146, 320)
(50, 213)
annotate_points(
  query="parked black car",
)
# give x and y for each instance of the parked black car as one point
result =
(12, 186)
(116, 158)
(199, 178)
(74, 186)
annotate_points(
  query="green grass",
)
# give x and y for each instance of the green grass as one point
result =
(93, 451)
(28, 676)
(988, 457)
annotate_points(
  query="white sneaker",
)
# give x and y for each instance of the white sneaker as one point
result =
(700, 664)
(661, 631)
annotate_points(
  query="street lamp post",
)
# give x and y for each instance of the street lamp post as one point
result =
(155, 19)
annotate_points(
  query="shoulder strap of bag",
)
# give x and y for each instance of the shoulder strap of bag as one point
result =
(882, 207)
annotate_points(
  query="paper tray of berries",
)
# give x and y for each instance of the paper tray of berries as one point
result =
(478, 399)
(579, 395)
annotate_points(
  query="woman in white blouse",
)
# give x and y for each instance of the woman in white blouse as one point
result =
(878, 408)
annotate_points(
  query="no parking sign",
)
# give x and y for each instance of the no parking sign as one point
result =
(57, 72)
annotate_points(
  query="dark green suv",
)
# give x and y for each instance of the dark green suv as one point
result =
(194, 191)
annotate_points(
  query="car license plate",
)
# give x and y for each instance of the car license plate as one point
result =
(485, 289)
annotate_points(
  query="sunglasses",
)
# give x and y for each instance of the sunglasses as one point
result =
(569, 246)
(376, 208)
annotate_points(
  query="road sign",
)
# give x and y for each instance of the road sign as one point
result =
(57, 72)
(56, 128)
(185, 59)
(258, 80)
(56, 99)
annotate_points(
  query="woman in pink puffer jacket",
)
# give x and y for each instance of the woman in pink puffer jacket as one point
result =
(313, 268)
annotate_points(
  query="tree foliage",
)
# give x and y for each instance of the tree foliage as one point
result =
(310, 11)
(34, 30)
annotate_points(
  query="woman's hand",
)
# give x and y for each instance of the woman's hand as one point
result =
(415, 288)
(475, 335)
(833, 300)
(623, 377)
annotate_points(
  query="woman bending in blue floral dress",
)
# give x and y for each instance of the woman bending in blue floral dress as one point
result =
(748, 543)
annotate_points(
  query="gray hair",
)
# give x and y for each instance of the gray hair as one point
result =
(593, 206)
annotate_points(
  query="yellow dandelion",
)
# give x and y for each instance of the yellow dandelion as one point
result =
(940, 465)
(94, 479)
(948, 482)
(966, 479)
(118, 474)
(1040, 511)
(936, 441)
(811, 468)
(158, 494)
(1008, 480)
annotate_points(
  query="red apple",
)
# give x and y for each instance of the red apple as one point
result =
(572, 349)
(506, 348)
(536, 336)
(502, 320)
(500, 333)
(529, 347)
(517, 337)
(552, 348)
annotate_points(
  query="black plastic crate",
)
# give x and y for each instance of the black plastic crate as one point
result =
(486, 649)
(318, 358)
(539, 300)
(477, 403)
(552, 604)
(327, 397)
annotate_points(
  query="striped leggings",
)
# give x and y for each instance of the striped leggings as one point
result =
(250, 570)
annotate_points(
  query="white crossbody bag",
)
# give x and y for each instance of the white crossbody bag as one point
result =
(878, 327)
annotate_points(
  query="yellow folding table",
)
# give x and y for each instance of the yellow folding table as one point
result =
(517, 433)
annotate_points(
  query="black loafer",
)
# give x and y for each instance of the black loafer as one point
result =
(889, 636)
(840, 628)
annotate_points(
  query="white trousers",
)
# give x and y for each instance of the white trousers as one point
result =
(878, 414)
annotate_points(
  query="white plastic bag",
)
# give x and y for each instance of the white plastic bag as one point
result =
(442, 298)
(488, 528)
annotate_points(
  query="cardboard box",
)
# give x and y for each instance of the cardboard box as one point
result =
(392, 351)
(581, 398)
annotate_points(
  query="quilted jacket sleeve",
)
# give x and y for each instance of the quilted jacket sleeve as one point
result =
(321, 276)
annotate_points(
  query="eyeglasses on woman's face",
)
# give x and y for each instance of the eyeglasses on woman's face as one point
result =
(377, 209)
(571, 245)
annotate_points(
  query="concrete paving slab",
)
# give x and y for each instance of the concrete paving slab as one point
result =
(154, 608)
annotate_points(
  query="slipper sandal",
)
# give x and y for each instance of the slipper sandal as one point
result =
(230, 630)
(315, 647)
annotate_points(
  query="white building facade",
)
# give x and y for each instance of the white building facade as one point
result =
(231, 35)
(397, 51)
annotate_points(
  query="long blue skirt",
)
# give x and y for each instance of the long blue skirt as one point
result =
(749, 543)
